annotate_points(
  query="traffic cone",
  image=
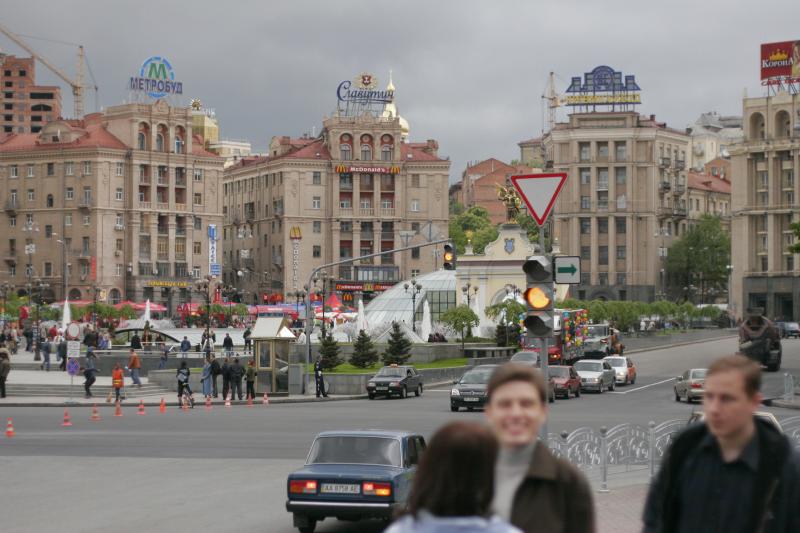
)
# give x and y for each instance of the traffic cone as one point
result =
(185, 404)
(249, 400)
(141, 408)
(163, 407)
(266, 399)
(118, 410)
(10, 428)
(95, 415)
(208, 403)
(66, 422)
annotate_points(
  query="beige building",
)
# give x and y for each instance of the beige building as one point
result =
(764, 204)
(624, 200)
(357, 188)
(711, 137)
(709, 195)
(121, 201)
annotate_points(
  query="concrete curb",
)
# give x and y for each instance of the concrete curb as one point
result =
(784, 404)
(678, 344)
(199, 403)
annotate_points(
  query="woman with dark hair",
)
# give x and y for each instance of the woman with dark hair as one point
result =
(454, 484)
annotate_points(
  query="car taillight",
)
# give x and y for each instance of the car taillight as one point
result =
(303, 486)
(370, 488)
(697, 385)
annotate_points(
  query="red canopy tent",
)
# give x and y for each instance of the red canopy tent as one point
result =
(76, 303)
(140, 306)
(333, 302)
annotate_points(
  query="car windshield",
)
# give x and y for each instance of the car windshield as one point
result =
(559, 372)
(391, 372)
(477, 376)
(355, 450)
(699, 374)
(616, 361)
(792, 325)
(589, 366)
(598, 331)
(524, 356)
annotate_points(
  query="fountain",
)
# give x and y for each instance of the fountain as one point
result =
(426, 327)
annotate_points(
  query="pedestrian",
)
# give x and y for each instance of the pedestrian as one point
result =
(162, 363)
(136, 342)
(237, 372)
(741, 472)
(182, 375)
(47, 346)
(227, 343)
(185, 347)
(250, 377)
(216, 370)
(90, 337)
(117, 381)
(134, 364)
(61, 352)
(319, 381)
(248, 348)
(205, 378)
(5, 368)
(90, 371)
(534, 490)
(226, 378)
(28, 334)
(446, 496)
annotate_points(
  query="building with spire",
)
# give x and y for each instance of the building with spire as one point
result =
(357, 188)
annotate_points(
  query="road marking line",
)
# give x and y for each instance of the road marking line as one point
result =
(645, 386)
(437, 390)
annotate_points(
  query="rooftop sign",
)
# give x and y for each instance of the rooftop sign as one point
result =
(362, 94)
(156, 78)
(780, 62)
(603, 86)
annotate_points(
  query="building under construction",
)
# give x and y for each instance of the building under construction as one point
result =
(27, 107)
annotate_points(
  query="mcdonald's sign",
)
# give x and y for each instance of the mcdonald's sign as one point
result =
(295, 233)
(341, 169)
(344, 169)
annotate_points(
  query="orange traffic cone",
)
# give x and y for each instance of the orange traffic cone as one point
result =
(249, 400)
(95, 415)
(227, 403)
(66, 422)
(118, 410)
(163, 407)
(208, 403)
(10, 429)
(266, 399)
(141, 408)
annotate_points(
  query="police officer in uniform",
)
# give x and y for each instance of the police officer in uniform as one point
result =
(318, 378)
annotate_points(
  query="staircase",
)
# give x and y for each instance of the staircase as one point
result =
(76, 391)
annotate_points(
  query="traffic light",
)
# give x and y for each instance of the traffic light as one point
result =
(539, 296)
(449, 256)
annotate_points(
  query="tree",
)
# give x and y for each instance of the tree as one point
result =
(795, 248)
(476, 220)
(399, 349)
(456, 208)
(507, 313)
(459, 319)
(329, 353)
(364, 352)
(529, 225)
(699, 259)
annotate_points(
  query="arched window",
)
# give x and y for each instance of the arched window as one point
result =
(387, 153)
(756, 126)
(783, 125)
(143, 139)
(366, 152)
(49, 200)
(345, 152)
(179, 140)
(159, 143)
(141, 142)
(113, 296)
(74, 294)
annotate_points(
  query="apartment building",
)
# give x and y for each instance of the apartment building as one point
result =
(27, 107)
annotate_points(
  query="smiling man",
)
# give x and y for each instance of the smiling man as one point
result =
(534, 490)
(734, 472)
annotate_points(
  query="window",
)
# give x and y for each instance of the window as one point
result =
(602, 225)
(317, 226)
(602, 179)
(14, 171)
(415, 206)
(118, 194)
(87, 220)
(316, 202)
(602, 151)
(196, 249)
(178, 145)
(159, 142)
(415, 253)
(195, 272)
(602, 279)
(586, 176)
(140, 141)
(197, 175)
(12, 221)
(619, 222)
(620, 175)
(48, 269)
(622, 279)
(68, 219)
(87, 168)
(49, 200)
(118, 270)
(586, 253)
(586, 203)
(387, 153)
(584, 151)
(366, 152)
(345, 152)
(87, 195)
(119, 220)
(317, 251)
(198, 198)
(30, 171)
(198, 223)
(415, 226)
(51, 169)
(586, 225)
(118, 245)
(620, 252)
(621, 150)
(28, 219)
(415, 180)
(316, 178)
(602, 255)
(12, 270)
(602, 200)
(68, 169)
(48, 231)
(120, 168)
(345, 203)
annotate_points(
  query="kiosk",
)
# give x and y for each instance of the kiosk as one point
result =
(272, 338)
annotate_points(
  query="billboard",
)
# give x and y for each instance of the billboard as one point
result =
(780, 60)
(603, 86)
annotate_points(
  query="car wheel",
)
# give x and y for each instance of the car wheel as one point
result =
(371, 396)
(552, 397)
(578, 392)
(470, 409)
(602, 388)
(677, 396)
(418, 392)
(613, 385)
(308, 529)
(633, 381)
(404, 393)
(454, 408)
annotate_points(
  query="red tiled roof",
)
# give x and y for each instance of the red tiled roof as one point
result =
(307, 149)
(95, 136)
(417, 152)
(707, 182)
(499, 174)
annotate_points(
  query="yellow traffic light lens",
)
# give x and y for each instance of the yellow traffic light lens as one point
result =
(537, 298)
(448, 256)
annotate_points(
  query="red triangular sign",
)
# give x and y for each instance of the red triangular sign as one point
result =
(539, 192)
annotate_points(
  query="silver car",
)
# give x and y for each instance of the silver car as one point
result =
(595, 375)
(690, 385)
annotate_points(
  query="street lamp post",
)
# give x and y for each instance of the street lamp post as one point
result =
(323, 276)
(40, 286)
(729, 268)
(469, 291)
(298, 295)
(202, 286)
(30, 249)
(5, 288)
(416, 288)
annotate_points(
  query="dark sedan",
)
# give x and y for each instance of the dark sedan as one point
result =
(353, 475)
(470, 390)
(395, 380)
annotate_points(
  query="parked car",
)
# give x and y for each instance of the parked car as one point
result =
(789, 329)
(624, 369)
(353, 475)
(470, 390)
(566, 381)
(689, 385)
(699, 416)
(394, 380)
(595, 375)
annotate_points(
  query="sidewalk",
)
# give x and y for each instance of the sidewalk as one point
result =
(620, 510)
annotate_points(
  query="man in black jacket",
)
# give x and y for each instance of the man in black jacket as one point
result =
(734, 472)
(136, 342)
(226, 378)
(216, 370)
(237, 372)
(227, 343)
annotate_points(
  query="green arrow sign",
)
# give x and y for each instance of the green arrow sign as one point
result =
(569, 269)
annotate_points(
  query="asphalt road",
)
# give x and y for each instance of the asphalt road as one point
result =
(225, 470)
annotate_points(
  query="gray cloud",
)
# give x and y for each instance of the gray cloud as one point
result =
(469, 74)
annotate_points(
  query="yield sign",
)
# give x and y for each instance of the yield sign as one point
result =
(539, 191)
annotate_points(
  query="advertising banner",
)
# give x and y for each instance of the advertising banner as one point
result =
(780, 60)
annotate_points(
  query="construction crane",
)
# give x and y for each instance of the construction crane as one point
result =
(76, 84)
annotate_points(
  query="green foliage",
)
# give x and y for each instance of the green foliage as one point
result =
(460, 319)
(699, 258)
(455, 208)
(329, 353)
(508, 310)
(399, 349)
(627, 314)
(529, 225)
(795, 248)
(364, 352)
(475, 220)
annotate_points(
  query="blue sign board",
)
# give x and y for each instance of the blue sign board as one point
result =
(73, 366)
(156, 78)
(215, 269)
(603, 86)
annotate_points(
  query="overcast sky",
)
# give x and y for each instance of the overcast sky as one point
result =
(467, 73)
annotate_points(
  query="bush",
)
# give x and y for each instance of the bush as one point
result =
(329, 353)
(399, 349)
(364, 352)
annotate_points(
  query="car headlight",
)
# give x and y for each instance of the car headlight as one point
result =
(621, 374)
(455, 392)
(394, 384)
(371, 384)
(593, 380)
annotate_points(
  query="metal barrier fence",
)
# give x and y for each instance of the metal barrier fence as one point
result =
(629, 447)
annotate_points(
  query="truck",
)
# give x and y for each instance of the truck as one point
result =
(569, 334)
(760, 340)
(598, 340)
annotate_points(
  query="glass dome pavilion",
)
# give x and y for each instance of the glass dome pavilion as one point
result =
(394, 305)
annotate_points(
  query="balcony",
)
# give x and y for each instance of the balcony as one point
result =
(180, 207)
(761, 165)
(179, 231)
(366, 212)
(346, 211)
(787, 164)
(602, 205)
(664, 211)
(277, 259)
(145, 205)
(10, 256)
(387, 236)
(144, 180)
(680, 164)
(10, 206)
(664, 186)
(162, 206)
(119, 227)
(84, 255)
(680, 188)
(602, 185)
(85, 204)
(664, 162)
(163, 230)
(679, 212)
(387, 211)
(163, 181)
(180, 181)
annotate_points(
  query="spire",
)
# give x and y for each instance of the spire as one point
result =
(390, 86)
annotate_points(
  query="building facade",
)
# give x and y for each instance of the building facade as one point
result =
(122, 201)
(709, 195)
(27, 107)
(764, 204)
(711, 136)
(624, 201)
(479, 183)
(356, 189)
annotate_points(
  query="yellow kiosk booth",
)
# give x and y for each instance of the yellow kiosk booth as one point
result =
(271, 343)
